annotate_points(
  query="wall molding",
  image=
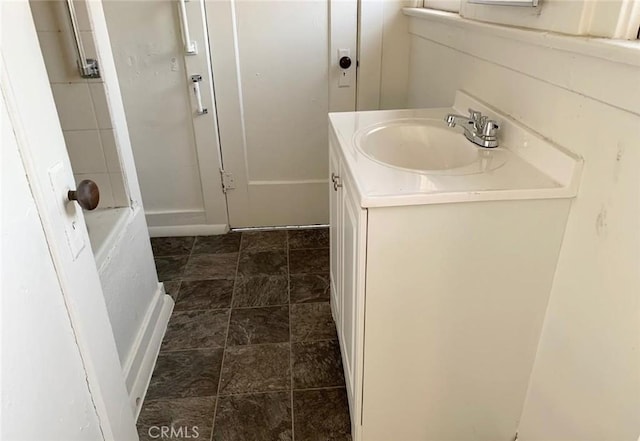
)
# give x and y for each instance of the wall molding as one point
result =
(573, 63)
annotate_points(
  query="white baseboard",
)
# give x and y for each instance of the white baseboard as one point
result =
(188, 230)
(142, 358)
(181, 223)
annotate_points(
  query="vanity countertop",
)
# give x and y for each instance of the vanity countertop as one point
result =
(535, 168)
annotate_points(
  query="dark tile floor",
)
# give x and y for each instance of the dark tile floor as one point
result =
(251, 351)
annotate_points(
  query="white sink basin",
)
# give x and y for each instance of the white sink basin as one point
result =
(425, 146)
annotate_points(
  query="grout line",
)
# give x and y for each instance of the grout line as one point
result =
(184, 270)
(277, 391)
(262, 392)
(225, 308)
(155, 256)
(178, 398)
(255, 393)
(201, 348)
(293, 426)
(321, 340)
(227, 346)
(175, 300)
(226, 337)
(320, 388)
(278, 305)
(309, 248)
(189, 279)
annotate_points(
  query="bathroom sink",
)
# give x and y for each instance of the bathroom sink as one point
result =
(425, 146)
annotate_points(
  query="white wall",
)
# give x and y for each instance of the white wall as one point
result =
(384, 54)
(81, 103)
(585, 96)
(604, 18)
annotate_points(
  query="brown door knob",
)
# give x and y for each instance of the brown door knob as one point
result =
(86, 195)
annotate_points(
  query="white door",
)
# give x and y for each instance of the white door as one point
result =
(276, 76)
(62, 378)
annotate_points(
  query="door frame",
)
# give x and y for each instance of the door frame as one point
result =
(25, 85)
(205, 126)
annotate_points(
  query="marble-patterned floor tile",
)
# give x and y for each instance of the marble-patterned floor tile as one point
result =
(250, 326)
(172, 287)
(321, 415)
(309, 288)
(220, 244)
(263, 262)
(312, 321)
(317, 364)
(261, 368)
(314, 261)
(310, 238)
(204, 294)
(193, 416)
(171, 246)
(211, 266)
(262, 290)
(196, 330)
(170, 267)
(253, 241)
(186, 374)
(254, 417)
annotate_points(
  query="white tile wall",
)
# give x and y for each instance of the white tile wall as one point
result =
(110, 150)
(48, 16)
(100, 105)
(75, 107)
(81, 103)
(85, 151)
(60, 63)
(118, 189)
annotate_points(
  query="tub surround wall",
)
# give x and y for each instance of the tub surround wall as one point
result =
(81, 103)
(583, 95)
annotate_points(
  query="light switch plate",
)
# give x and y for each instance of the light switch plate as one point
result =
(69, 211)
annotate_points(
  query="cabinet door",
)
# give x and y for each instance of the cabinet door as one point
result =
(350, 229)
(335, 207)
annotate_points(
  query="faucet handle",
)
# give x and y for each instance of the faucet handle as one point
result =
(490, 128)
(475, 115)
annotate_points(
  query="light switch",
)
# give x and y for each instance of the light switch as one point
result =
(345, 68)
(69, 211)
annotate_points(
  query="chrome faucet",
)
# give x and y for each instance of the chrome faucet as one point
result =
(478, 129)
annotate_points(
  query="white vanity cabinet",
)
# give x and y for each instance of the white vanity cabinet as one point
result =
(440, 283)
(348, 252)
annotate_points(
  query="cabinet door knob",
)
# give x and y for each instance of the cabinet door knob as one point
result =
(86, 195)
(336, 182)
